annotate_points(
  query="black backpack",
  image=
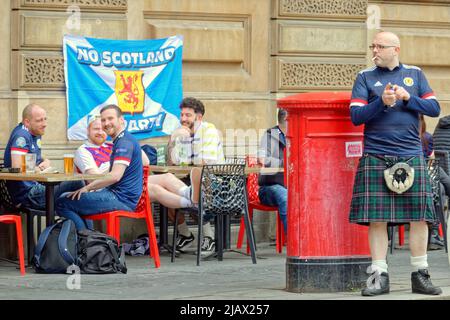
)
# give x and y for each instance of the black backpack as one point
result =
(56, 249)
(99, 253)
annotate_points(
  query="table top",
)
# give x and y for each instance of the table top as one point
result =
(185, 170)
(49, 177)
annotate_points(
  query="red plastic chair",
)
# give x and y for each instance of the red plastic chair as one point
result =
(254, 203)
(401, 234)
(18, 222)
(143, 211)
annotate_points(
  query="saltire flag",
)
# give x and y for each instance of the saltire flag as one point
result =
(142, 77)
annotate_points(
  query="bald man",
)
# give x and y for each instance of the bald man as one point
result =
(26, 138)
(388, 99)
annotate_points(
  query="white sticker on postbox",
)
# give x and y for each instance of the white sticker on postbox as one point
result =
(353, 149)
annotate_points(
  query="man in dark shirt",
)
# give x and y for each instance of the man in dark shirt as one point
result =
(388, 99)
(122, 187)
(26, 138)
(272, 191)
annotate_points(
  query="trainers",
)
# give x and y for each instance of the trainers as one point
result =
(376, 284)
(184, 242)
(195, 176)
(208, 247)
(436, 243)
(421, 283)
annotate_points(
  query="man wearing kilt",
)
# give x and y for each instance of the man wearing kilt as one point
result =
(392, 184)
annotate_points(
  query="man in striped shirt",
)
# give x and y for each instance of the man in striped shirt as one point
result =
(195, 142)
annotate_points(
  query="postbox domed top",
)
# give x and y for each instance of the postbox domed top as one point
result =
(316, 100)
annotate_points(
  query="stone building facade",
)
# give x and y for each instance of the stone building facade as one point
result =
(239, 55)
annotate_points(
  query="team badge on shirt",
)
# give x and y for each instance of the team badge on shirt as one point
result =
(408, 81)
(38, 142)
(21, 142)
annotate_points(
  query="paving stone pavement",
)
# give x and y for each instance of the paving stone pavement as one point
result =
(232, 279)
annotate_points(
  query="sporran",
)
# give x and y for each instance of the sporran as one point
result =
(399, 177)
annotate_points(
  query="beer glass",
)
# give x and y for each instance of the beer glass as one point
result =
(161, 151)
(23, 168)
(68, 163)
(30, 162)
(185, 151)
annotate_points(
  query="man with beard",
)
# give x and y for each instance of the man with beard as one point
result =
(93, 156)
(195, 142)
(199, 138)
(121, 188)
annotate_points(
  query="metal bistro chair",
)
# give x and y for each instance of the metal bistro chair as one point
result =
(223, 194)
(433, 172)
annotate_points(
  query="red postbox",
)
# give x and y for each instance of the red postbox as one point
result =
(325, 253)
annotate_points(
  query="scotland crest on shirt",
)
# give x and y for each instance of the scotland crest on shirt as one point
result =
(142, 77)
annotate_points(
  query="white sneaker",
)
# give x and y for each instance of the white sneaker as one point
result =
(208, 247)
(184, 242)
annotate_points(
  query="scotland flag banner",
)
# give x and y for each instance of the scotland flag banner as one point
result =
(142, 77)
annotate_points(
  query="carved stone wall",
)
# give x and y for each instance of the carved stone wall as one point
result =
(37, 33)
(322, 7)
(317, 76)
(104, 5)
(317, 45)
(39, 71)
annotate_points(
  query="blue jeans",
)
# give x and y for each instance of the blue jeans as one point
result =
(36, 196)
(275, 195)
(90, 203)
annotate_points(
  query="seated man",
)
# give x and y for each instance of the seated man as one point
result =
(272, 191)
(26, 138)
(122, 187)
(195, 142)
(93, 157)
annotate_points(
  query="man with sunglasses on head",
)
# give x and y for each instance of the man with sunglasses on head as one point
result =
(93, 156)
(391, 184)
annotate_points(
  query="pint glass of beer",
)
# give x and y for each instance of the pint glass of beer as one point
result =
(23, 168)
(68, 163)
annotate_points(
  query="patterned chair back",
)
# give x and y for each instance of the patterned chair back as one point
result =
(223, 189)
(433, 172)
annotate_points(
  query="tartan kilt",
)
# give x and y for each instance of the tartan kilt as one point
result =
(372, 200)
